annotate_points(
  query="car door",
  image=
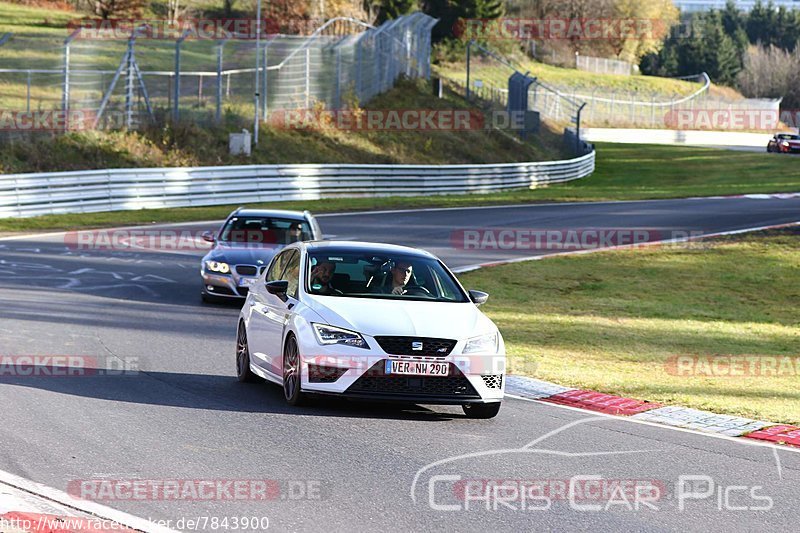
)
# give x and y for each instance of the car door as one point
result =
(264, 324)
(278, 311)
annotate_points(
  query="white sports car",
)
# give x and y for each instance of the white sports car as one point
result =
(370, 321)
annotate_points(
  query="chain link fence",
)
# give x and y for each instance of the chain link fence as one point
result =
(487, 74)
(603, 65)
(487, 78)
(96, 80)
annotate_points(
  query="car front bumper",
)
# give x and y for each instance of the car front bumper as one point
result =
(360, 373)
(230, 285)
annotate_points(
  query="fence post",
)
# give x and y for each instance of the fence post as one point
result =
(633, 108)
(578, 129)
(264, 103)
(469, 47)
(65, 88)
(338, 87)
(218, 110)
(129, 84)
(653, 111)
(613, 104)
(358, 67)
(176, 99)
(308, 77)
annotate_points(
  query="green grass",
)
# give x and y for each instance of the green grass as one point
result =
(624, 172)
(610, 321)
(645, 86)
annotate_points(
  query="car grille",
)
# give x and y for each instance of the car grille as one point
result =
(375, 381)
(430, 347)
(246, 270)
(493, 381)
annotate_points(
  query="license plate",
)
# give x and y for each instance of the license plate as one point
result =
(247, 282)
(417, 368)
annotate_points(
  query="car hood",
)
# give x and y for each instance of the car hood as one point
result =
(373, 316)
(243, 254)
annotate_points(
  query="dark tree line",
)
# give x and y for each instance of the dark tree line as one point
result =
(717, 41)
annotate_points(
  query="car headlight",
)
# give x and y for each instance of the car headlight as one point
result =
(216, 266)
(486, 344)
(785, 144)
(333, 335)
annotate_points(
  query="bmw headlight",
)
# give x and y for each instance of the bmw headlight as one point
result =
(485, 344)
(333, 335)
(220, 268)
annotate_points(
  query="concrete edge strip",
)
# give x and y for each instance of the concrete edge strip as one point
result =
(94, 509)
(653, 413)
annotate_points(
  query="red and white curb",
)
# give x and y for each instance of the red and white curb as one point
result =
(30, 507)
(656, 413)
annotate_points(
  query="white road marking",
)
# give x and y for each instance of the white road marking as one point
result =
(92, 508)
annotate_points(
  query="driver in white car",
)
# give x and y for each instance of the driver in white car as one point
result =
(401, 274)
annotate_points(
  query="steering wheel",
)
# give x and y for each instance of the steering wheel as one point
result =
(417, 290)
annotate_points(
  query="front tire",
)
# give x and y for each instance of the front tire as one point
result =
(243, 372)
(291, 372)
(481, 410)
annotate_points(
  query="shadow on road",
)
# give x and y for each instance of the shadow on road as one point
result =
(211, 392)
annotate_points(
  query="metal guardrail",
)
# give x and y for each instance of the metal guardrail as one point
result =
(26, 195)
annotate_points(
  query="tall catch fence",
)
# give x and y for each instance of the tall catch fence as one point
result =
(487, 75)
(126, 77)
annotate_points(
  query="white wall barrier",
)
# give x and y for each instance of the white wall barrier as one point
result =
(25, 195)
(677, 137)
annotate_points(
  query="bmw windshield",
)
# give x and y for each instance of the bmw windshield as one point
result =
(267, 230)
(358, 274)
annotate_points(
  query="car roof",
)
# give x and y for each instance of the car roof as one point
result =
(299, 215)
(357, 246)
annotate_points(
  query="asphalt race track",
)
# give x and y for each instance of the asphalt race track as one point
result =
(343, 466)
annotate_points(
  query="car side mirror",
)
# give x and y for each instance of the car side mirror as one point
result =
(277, 287)
(208, 236)
(478, 297)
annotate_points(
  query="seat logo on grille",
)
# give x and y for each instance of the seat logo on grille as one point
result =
(416, 346)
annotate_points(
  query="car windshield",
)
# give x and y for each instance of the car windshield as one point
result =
(263, 229)
(788, 137)
(359, 274)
